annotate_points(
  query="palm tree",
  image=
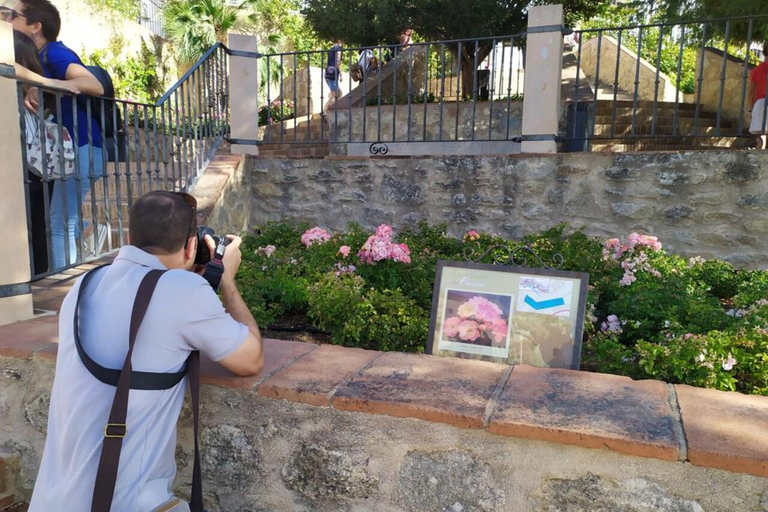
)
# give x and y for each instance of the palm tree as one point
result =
(193, 26)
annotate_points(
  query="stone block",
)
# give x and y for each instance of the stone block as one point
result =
(23, 339)
(597, 493)
(588, 409)
(312, 379)
(725, 430)
(448, 481)
(277, 355)
(443, 390)
(317, 472)
(631, 210)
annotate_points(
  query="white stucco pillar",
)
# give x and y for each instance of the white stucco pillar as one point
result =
(15, 273)
(244, 93)
(543, 70)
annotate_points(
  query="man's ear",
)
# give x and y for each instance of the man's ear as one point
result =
(190, 249)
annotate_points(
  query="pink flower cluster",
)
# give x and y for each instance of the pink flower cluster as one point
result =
(475, 318)
(380, 246)
(634, 254)
(267, 251)
(344, 251)
(341, 269)
(315, 236)
(471, 235)
(612, 325)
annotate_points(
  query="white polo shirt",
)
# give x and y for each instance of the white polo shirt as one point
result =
(184, 315)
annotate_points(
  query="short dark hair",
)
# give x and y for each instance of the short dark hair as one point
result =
(47, 14)
(26, 52)
(161, 222)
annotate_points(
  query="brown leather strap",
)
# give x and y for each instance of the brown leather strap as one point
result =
(116, 428)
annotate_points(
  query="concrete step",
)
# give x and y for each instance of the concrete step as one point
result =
(659, 130)
(685, 123)
(608, 110)
(662, 144)
(646, 104)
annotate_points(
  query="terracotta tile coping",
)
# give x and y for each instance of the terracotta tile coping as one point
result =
(643, 418)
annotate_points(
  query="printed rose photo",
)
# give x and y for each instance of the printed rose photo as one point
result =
(477, 318)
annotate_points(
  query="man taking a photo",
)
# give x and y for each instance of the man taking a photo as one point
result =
(184, 315)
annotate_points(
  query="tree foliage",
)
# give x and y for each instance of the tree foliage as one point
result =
(371, 22)
(691, 10)
(193, 26)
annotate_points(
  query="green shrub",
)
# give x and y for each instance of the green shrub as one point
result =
(649, 314)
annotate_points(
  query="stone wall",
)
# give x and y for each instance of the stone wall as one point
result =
(731, 84)
(627, 70)
(476, 121)
(268, 455)
(708, 203)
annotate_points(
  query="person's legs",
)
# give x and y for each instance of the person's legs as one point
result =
(68, 191)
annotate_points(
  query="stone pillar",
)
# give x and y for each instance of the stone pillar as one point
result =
(15, 273)
(244, 94)
(543, 70)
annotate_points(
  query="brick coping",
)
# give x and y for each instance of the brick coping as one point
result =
(652, 419)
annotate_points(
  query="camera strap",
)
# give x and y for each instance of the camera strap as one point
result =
(116, 427)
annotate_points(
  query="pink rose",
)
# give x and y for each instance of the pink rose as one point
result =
(468, 330)
(451, 326)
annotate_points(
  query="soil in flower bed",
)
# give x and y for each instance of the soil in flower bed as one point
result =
(295, 327)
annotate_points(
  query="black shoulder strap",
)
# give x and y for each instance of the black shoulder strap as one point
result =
(139, 380)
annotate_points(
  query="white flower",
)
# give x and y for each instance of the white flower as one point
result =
(700, 358)
(728, 364)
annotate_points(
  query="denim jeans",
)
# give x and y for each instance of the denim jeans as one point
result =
(72, 228)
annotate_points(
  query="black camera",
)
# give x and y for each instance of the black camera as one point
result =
(203, 255)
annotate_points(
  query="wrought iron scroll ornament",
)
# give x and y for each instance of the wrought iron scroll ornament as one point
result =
(521, 256)
(378, 148)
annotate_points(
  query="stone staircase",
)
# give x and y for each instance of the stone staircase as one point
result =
(614, 124)
(302, 137)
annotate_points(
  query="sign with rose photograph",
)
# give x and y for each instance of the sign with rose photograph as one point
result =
(508, 315)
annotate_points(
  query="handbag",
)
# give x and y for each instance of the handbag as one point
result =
(55, 148)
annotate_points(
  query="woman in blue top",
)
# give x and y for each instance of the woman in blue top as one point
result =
(40, 20)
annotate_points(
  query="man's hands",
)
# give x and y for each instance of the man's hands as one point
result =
(232, 259)
(32, 94)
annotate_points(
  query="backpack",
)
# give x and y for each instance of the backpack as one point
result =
(108, 127)
(111, 111)
(331, 70)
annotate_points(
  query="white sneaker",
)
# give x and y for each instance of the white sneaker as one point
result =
(90, 242)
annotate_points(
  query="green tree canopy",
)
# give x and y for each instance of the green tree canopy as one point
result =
(372, 22)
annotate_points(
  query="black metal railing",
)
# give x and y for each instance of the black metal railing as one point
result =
(447, 91)
(663, 85)
(151, 16)
(78, 201)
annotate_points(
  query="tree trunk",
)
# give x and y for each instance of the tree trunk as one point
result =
(469, 65)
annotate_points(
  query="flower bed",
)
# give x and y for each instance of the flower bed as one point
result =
(650, 314)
